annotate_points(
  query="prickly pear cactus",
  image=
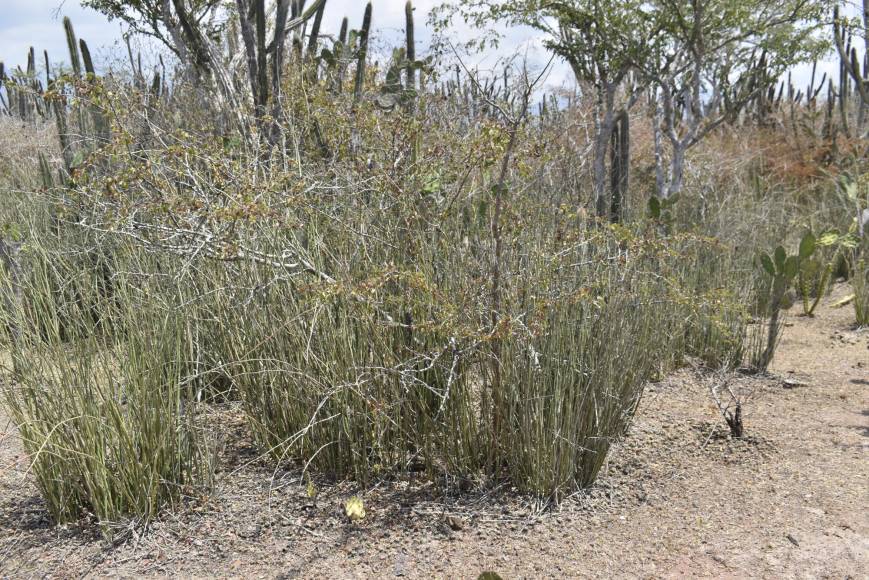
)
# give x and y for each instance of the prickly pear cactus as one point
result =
(783, 269)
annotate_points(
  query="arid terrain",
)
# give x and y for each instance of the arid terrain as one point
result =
(678, 498)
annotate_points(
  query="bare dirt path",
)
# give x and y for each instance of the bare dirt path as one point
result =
(678, 498)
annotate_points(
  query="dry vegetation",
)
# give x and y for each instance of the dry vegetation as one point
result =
(392, 277)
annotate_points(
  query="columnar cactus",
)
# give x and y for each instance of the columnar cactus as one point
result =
(45, 172)
(86, 57)
(411, 44)
(74, 56)
(342, 35)
(315, 31)
(363, 54)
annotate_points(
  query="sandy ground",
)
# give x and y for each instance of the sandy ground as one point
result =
(678, 498)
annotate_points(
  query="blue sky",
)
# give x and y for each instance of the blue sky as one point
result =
(37, 23)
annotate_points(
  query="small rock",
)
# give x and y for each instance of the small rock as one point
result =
(793, 540)
(250, 532)
(793, 384)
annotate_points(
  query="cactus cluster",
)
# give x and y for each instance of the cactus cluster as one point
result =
(362, 54)
(852, 75)
(350, 47)
(814, 274)
(782, 270)
(25, 93)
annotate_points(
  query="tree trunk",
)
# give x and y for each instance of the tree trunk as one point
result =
(606, 121)
(175, 33)
(620, 165)
(659, 150)
(262, 73)
(677, 169)
(196, 43)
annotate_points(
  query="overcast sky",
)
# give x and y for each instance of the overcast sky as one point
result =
(37, 23)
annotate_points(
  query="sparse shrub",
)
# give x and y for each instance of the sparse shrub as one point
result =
(710, 289)
(730, 405)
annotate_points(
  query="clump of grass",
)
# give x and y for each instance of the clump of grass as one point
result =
(333, 380)
(571, 387)
(104, 420)
(709, 286)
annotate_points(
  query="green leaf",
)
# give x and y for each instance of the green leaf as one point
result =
(791, 267)
(807, 246)
(850, 189)
(849, 242)
(779, 257)
(431, 184)
(767, 264)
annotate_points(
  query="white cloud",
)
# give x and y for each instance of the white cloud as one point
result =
(37, 23)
